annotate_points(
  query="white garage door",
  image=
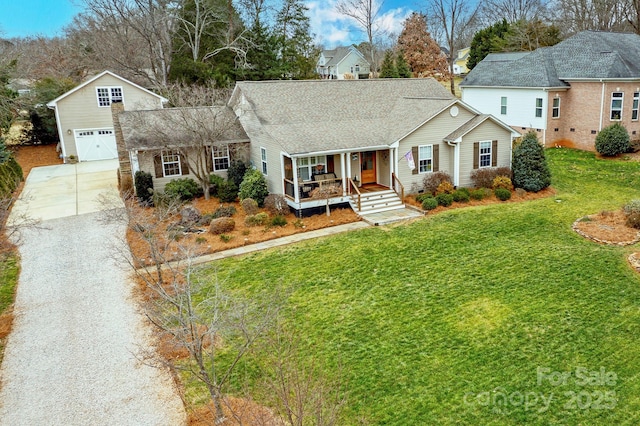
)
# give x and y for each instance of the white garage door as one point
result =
(96, 145)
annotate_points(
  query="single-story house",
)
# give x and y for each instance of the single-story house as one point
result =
(83, 115)
(363, 134)
(567, 93)
(175, 143)
(341, 63)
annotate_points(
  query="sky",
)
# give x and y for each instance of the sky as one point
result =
(22, 18)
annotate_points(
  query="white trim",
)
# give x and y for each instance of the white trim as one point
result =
(264, 162)
(601, 105)
(179, 161)
(296, 187)
(636, 100)
(60, 134)
(558, 107)
(342, 169)
(621, 109)
(480, 154)
(213, 157)
(497, 121)
(109, 95)
(456, 165)
(417, 160)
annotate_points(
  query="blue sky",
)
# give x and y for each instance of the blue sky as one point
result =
(21, 18)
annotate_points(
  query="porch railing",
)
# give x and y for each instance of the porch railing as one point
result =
(357, 191)
(397, 184)
(305, 188)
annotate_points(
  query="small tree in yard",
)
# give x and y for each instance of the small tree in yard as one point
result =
(530, 169)
(613, 140)
(254, 185)
(325, 191)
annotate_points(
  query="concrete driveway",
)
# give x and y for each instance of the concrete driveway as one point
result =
(64, 190)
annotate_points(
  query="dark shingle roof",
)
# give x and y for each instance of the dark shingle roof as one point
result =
(320, 115)
(587, 55)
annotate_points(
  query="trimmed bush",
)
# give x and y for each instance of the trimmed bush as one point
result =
(613, 140)
(276, 204)
(278, 221)
(633, 220)
(224, 211)
(502, 194)
(236, 172)
(256, 219)
(429, 203)
(254, 185)
(227, 192)
(206, 219)
(222, 225)
(186, 189)
(214, 183)
(144, 187)
(483, 178)
(502, 182)
(444, 200)
(421, 197)
(530, 169)
(445, 188)
(431, 181)
(477, 194)
(249, 206)
(461, 195)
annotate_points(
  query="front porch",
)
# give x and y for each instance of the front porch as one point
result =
(340, 178)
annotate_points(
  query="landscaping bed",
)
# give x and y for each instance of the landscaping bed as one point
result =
(607, 227)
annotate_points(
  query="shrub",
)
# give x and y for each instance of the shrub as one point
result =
(445, 188)
(631, 207)
(206, 219)
(429, 203)
(214, 184)
(256, 219)
(249, 206)
(254, 185)
(444, 200)
(144, 187)
(225, 238)
(227, 192)
(278, 221)
(421, 197)
(633, 220)
(276, 204)
(236, 172)
(477, 194)
(461, 195)
(185, 189)
(502, 194)
(432, 180)
(502, 182)
(224, 211)
(613, 140)
(483, 178)
(530, 169)
(222, 225)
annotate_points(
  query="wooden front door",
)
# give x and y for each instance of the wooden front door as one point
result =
(368, 167)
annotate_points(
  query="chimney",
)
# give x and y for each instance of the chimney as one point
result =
(125, 177)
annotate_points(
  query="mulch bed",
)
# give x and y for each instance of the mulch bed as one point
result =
(607, 227)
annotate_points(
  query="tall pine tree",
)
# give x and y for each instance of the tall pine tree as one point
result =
(295, 41)
(388, 68)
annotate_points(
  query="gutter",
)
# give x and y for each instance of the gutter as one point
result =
(601, 104)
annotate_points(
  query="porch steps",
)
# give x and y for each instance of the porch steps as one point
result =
(376, 202)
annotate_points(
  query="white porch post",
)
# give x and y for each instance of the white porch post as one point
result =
(391, 168)
(296, 188)
(349, 165)
(344, 175)
(456, 164)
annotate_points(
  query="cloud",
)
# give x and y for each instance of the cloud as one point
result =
(333, 29)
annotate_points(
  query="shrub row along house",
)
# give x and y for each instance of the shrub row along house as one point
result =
(374, 135)
(566, 93)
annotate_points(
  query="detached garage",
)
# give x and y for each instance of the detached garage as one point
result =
(84, 118)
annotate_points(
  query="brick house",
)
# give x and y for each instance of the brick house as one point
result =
(566, 93)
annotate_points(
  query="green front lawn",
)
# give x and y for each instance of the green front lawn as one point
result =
(429, 319)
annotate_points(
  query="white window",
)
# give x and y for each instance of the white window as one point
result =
(538, 107)
(555, 111)
(634, 110)
(263, 160)
(309, 166)
(220, 157)
(503, 105)
(171, 163)
(425, 159)
(107, 95)
(616, 105)
(357, 68)
(485, 154)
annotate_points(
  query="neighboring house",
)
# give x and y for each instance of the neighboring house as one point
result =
(566, 93)
(83, 115)
(341, 63)
(174, 142)
(366, 140)
(460, 63)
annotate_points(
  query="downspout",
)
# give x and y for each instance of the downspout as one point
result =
(601, 104)
(456, 161)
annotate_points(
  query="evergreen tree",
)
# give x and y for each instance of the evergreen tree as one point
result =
(295, 41)
(530, 169)
(263, 61)
(402, 66)
(388, 68)
(488, 40)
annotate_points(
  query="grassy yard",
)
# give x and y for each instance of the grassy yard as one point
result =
(9, 270)
(435, 320)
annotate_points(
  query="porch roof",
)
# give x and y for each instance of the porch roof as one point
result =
(338, 115)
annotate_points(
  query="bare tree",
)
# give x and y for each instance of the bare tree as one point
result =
(512, 10)
(455, 17)
(603, 15)
(365, 13)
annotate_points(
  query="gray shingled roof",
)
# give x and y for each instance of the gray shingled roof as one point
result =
(180, 127)
(586, 55)
(324, 115)
(336, 55)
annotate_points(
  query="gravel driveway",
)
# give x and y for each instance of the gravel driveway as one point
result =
(70, 357)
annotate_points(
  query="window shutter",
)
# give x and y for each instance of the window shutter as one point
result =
(184, 165)
(436, 158)
(416, 160)
(208, 154)
(157, 165)
(494, 153)
(476, 154)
